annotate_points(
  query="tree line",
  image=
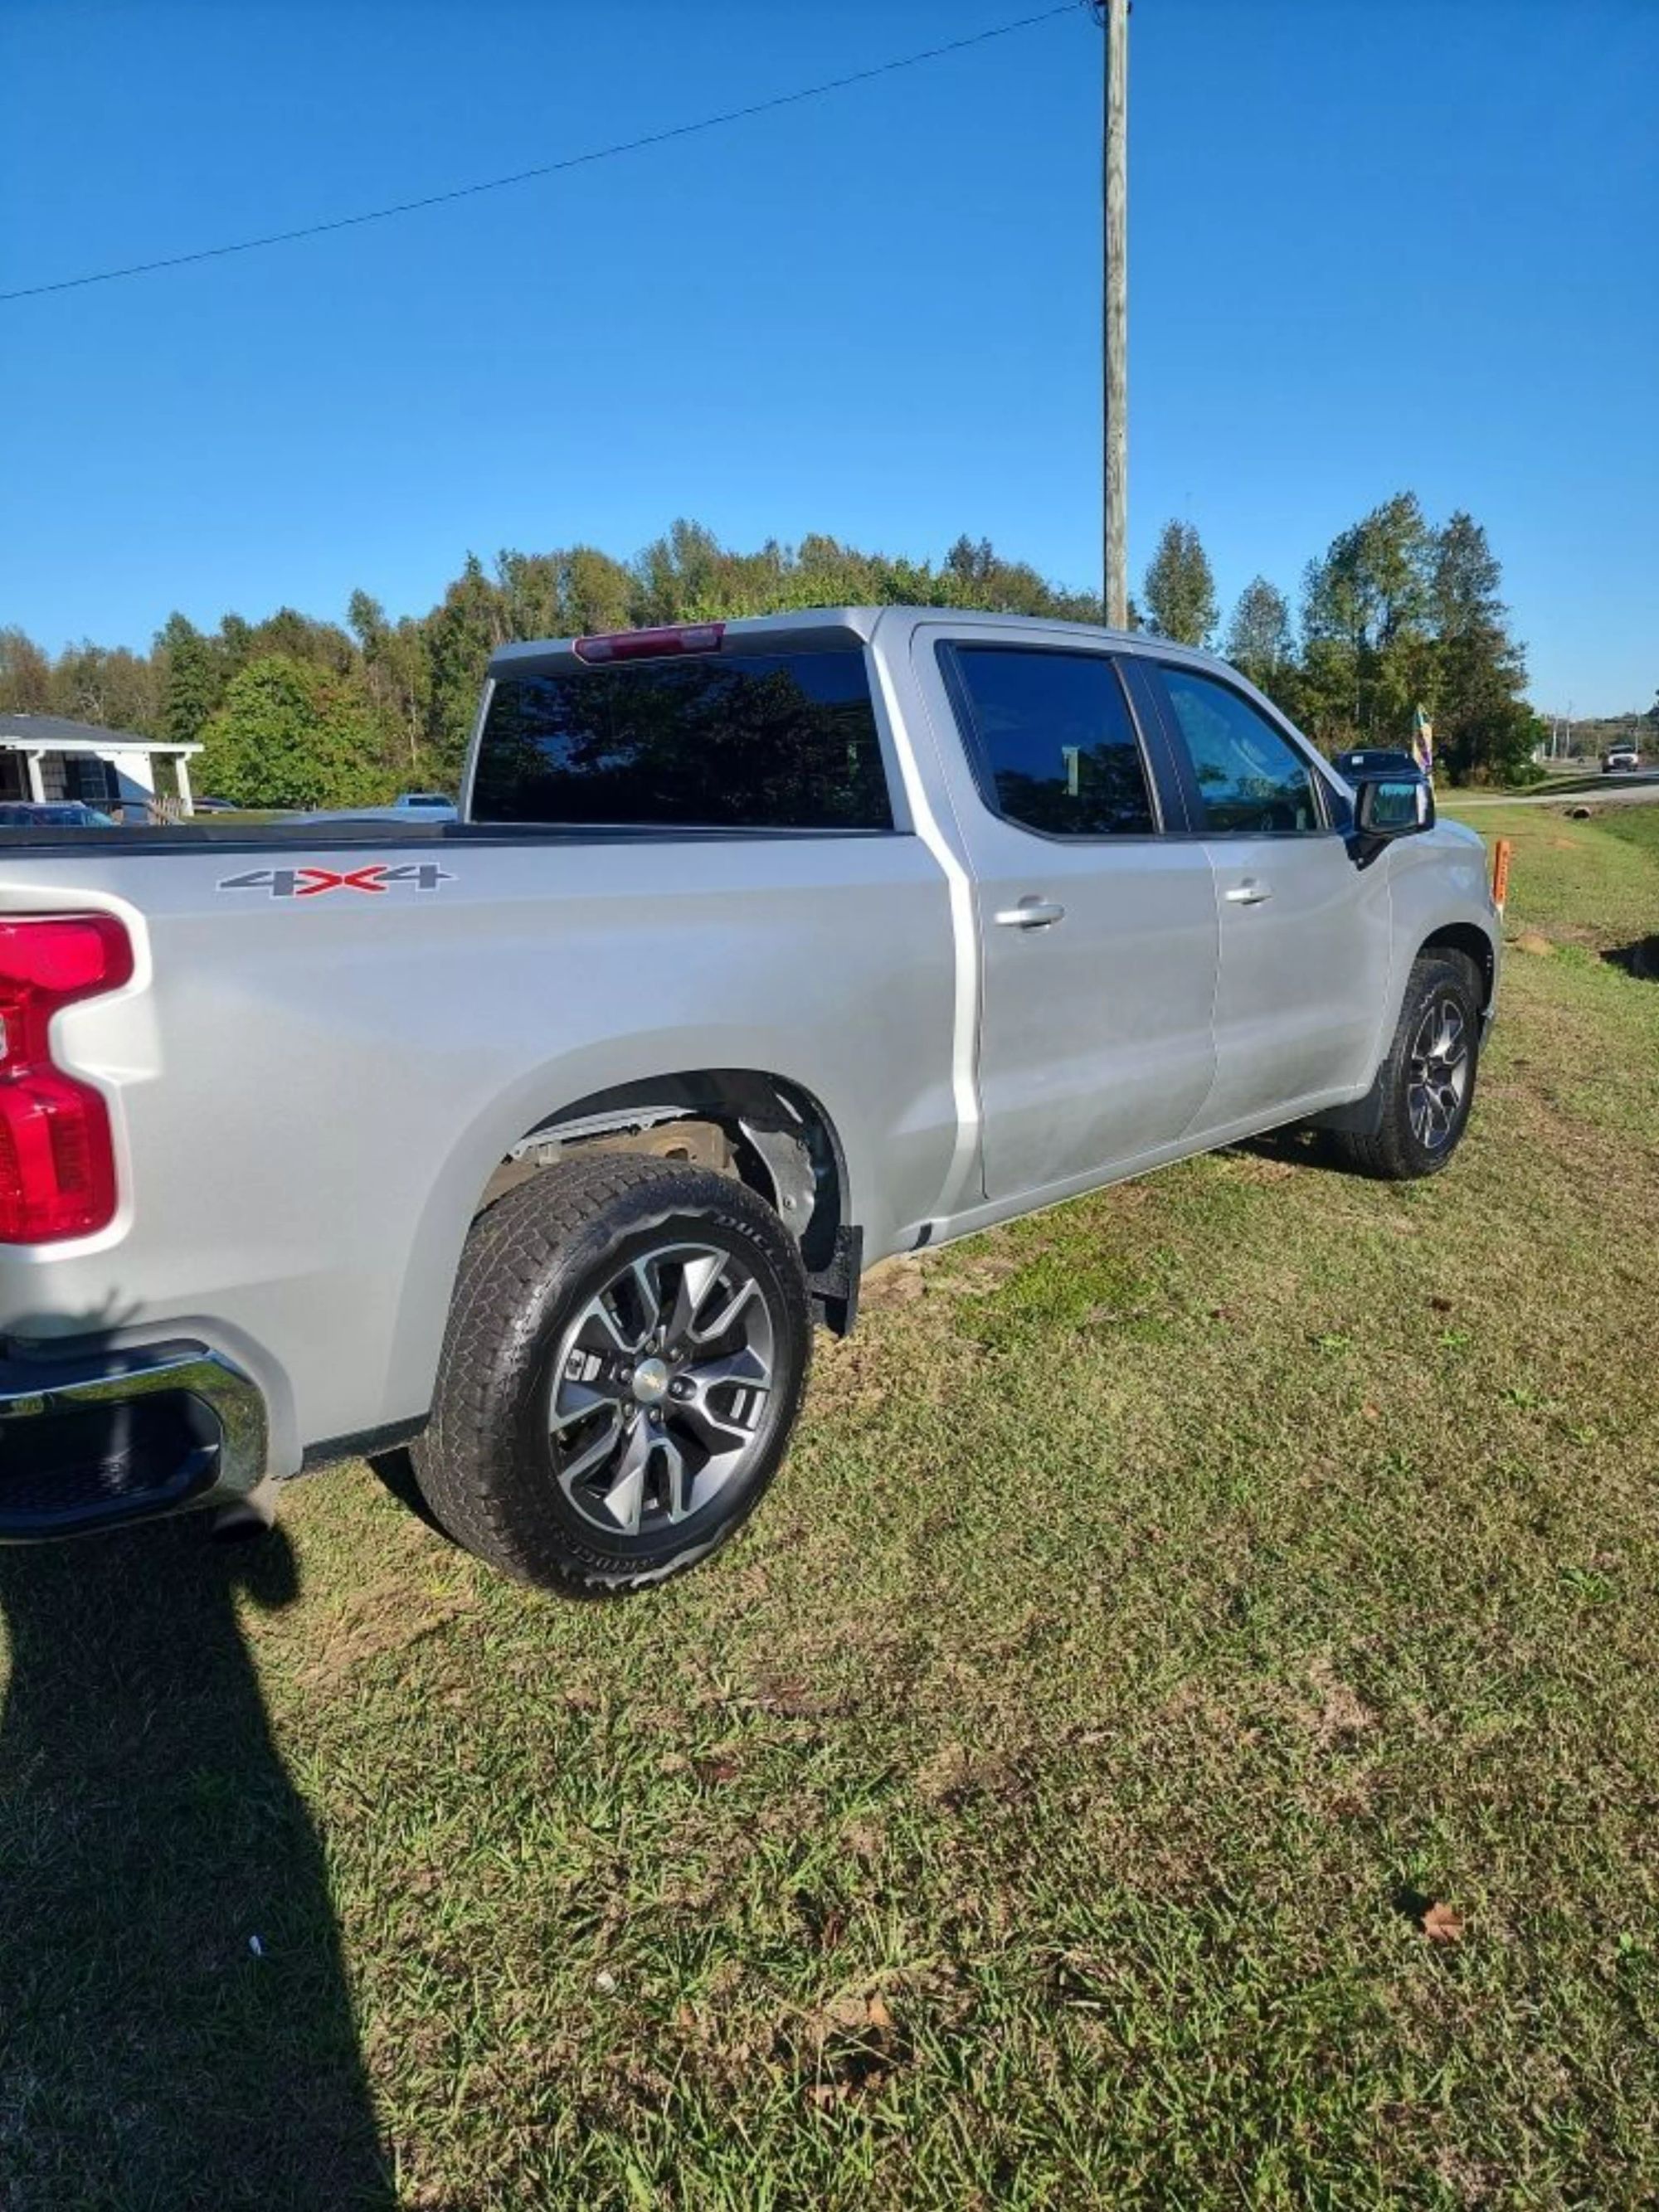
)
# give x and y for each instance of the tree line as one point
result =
(1395, 614)
(293, 711)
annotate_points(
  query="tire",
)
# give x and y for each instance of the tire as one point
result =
(1411, 1141)
(581, 1439)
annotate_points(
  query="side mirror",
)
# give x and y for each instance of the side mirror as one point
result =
(1387, 807)
(1394, 807)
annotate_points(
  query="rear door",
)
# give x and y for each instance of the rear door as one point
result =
(1097, 932)
(1304, 933)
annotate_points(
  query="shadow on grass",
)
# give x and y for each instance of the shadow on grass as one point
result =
(1295, 1147)
(1640, 959)
(176, 2024)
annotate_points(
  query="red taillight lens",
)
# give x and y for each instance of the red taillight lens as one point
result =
(56, 1157)
(651, 644)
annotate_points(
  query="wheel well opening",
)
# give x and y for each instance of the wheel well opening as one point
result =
(767, 1133)
(1474, 944)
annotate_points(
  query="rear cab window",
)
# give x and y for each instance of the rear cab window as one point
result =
(784, 740)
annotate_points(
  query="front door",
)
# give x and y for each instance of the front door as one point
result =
(1304, 934)
(1097, 933)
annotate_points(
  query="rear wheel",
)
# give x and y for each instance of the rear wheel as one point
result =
(1428, 1079)
(626, 1355)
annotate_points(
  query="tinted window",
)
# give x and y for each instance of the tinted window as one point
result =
(1057, 751)
(1252, 780)
(738, 741)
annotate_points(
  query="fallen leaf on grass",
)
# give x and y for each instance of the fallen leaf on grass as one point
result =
(1441, 1925)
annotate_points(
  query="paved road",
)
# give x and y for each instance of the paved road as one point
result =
(1625, 791)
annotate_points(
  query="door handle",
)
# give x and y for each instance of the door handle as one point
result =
(1031, 914)
(1248, 893)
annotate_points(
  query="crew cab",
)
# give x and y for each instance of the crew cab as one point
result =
(762, 951)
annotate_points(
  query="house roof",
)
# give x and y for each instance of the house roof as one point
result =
(55, 733)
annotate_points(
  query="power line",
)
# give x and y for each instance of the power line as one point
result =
(546, 169)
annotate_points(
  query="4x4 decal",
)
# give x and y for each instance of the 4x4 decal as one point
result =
(314, 883)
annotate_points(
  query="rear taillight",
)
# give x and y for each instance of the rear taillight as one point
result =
(56, 1157)
(651, 644)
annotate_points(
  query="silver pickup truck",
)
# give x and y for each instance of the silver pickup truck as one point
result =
(760, 951)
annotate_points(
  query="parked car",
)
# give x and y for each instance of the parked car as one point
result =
(52, 814)
(1374, 760)
(409, 807)
(764, 949)
(217, 806)
(1620, 756)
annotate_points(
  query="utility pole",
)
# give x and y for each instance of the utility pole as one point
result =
(1113, 16)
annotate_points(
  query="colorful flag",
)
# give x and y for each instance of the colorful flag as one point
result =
(1423, 741)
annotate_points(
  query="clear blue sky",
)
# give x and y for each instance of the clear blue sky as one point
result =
(1374, 243)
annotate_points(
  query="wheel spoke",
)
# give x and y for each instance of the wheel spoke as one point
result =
(697, 1277)
(744, 1366)
(624, 1500)
(576, 1401)
(713, 1329)
(720, 1427)
(597, 1320)
(674, 1486)
(592, 1453)
(648, 1285)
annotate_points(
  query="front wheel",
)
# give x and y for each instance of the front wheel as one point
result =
(1428, 1079)
(627, 1351)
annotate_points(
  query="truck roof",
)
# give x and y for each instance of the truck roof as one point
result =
(821, 629)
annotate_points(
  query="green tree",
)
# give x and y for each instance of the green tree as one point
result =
(290, 733)
(596, 592)
(459, 636)
(1484, 730)
(396, 674)
(25, 675)
(1259, 641)
(108, 685)
(1366, 627)
(1179, 590)
(192, 680)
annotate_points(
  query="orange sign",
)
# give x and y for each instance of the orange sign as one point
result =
(1500, 874)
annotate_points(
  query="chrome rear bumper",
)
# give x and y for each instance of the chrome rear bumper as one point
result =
(92, 1437)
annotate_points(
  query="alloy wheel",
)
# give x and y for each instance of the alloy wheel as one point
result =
(661, 1387)
(1439, 1079)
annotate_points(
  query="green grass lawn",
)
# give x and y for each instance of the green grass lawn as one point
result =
(1183, 1731)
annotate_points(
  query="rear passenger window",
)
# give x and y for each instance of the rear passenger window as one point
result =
(1051, 739)
(734, 741)
(1252, 780)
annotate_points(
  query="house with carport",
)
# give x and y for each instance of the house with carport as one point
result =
(44, 756)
